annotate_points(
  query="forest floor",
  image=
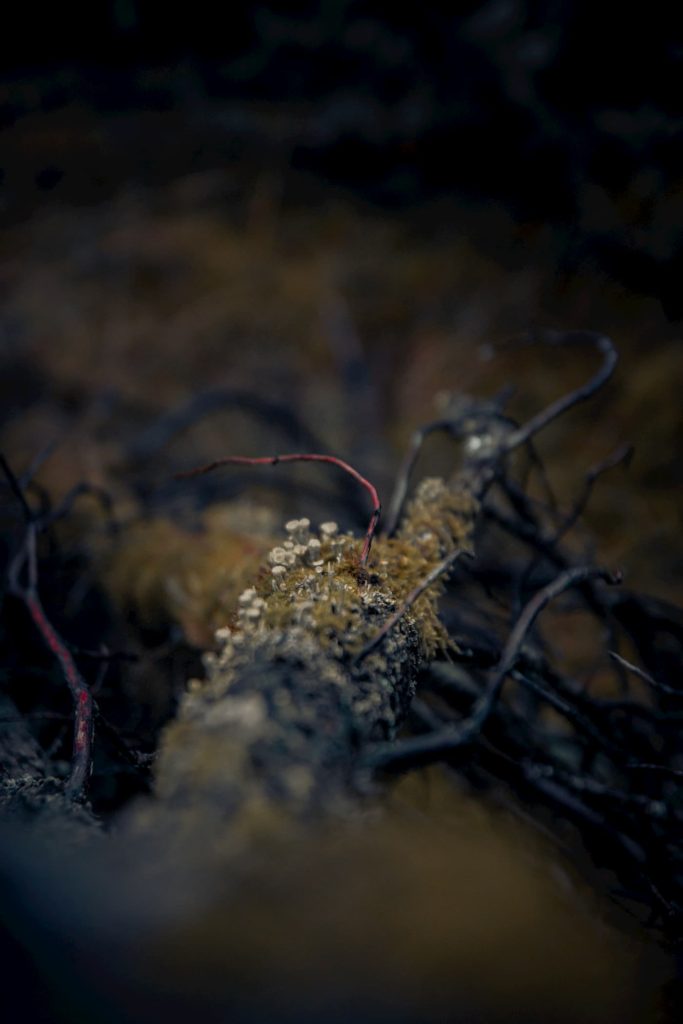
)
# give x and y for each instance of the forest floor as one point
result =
(129, 299)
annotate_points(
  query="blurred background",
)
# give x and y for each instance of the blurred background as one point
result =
(259, 227)
(343, 206)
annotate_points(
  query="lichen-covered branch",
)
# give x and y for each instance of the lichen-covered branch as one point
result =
(287, 705)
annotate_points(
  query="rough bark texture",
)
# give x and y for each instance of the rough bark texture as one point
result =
(288, 701)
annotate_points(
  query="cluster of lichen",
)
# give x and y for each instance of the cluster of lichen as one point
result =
(312, 582)
(289, 692)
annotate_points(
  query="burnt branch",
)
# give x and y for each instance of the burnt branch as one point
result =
(573, 398)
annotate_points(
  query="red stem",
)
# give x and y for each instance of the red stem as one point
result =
(273, 460)
(83, 705)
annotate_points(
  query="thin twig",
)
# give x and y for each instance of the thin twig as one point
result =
(623, 454)
(178, 420)
(405, 471)
(65, 506)
(439, 570)
(458, 735)
(274, 460)
(16, 488)
(26, 559)
(537, 463)
(29, 474)
(561, 405)
(567, 579)
(645, 676)
(676, 772)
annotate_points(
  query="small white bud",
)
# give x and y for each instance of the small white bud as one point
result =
(277, 556)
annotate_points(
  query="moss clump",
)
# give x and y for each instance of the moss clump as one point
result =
(286, 703)
(161, 573)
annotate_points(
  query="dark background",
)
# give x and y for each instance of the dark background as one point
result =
(565, 112)
(341, 207)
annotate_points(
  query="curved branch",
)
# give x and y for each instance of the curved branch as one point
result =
(541, 420)
(274, 460)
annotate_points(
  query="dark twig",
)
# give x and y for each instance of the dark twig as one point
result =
(66, 504)
(567, 579)
(565, 402)
(676, 772)
(16, 489)
(623, 454)
(36, 463)
(568, 710)
(457, 735)
(438, 571)
(176, 422)
(83, 711)
(103, 655)
(495, 444)
(405, 471)
(536, 462)
(645, 676)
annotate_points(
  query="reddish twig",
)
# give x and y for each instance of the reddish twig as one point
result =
(83, 709)
(273, 460)
(26, 559)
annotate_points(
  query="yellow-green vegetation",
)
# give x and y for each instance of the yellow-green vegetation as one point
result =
(288, 697)
(160, 573)
(317, 580)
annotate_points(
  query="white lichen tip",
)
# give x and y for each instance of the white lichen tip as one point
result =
(247, 596)
(278, 556)
(223, 635)
(329, 529)
(278, 574)
(298, 529)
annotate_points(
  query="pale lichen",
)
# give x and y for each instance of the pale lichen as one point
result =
(286, 699)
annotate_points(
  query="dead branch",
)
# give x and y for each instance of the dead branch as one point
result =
(25, 562)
